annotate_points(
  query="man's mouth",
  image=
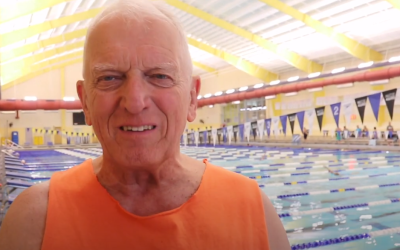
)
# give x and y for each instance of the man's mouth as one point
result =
(137, 129)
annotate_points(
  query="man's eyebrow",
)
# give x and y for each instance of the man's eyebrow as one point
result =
(102, 67)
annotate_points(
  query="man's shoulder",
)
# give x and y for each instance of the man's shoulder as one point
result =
(24, 224)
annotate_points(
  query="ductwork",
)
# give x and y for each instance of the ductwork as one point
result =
(386, 73)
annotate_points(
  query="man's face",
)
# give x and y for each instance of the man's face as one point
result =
(135, 79)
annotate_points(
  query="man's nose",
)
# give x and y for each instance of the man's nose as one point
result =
(134, 93)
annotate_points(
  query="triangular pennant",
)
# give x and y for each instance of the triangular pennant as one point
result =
(284, 122)
(375, 101)
(300, 117)
(390, 98)
(268, 126)
(336, 112)
(320, 112)
(260, 125)
(292, 119)
(361, 103)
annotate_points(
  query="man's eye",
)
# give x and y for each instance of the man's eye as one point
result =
(108, 78)
(160, 76)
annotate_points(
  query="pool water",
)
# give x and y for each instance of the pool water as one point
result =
(355, 206)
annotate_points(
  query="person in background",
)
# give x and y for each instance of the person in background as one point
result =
(358, 131)
(345, 132)
(138, 93)
(305, 133)
(389, 128)
(338, 134)
(365, 132)
(375, 134)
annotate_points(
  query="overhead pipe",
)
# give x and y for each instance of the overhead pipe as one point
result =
(386, 73)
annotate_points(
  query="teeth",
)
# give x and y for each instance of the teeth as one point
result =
(134, 129)
(129, 128)
(140, 128)
(125, 128)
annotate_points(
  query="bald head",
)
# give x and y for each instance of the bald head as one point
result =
(147, 13)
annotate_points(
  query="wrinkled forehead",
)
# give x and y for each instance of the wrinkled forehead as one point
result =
(121, 38)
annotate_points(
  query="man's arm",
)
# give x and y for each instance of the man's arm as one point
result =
(24, 224)
(277, 237)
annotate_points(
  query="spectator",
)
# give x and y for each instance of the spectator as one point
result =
(358, 131)
(365, 131)
(305, 133)
(375, 134)
(389, 128)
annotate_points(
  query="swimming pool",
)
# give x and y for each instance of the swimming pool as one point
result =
(359, 208)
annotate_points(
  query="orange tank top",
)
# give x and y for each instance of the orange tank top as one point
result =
(226, 212)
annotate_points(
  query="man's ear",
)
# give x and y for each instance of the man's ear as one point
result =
(194, 92)
(80, 88)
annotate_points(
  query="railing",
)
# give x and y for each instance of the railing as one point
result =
(11, 144)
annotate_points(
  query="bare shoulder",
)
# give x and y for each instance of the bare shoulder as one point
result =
(276, 232)
(24, 224)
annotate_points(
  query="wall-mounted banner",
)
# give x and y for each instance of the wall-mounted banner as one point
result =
(247, 128)
(214, 135)
(260, 125)
(310, 118)
(230, 134)
(225, 134)
(336, 112)
(292, 119)
(205, 134)
(300, 118)
(275, 125)
(347, 110)
(375, 101)
(235, 132)
(241, 132)
(284, 122)
(390, 98)
(196, 137)
(254, 129)
(268, 126)
(320, 112)
(361, 103)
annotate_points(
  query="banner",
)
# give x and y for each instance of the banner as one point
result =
(300, 118)
(336, 112)
(214, 135)
(247, 128)
(275, 125)
(254, 129)
(292, 119)
(205, 134)
(235, 132)
(361, 103)
(390, 98)
(320, 116)
(268, 126)
(347, 110)
(225, 134)
(375, 101)
(230, 134)
(196, 138)
(310, 117)
(284, 122)
(241, 132)
(260, 125)
(185, 139)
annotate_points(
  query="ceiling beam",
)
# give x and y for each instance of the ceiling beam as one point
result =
(204, 67)
(243, 65)
(395, 3)
(39, 72)
(18, 9)
(32, 47)
(16, 69)
(349, 45)
(290, 57)
(21, 34)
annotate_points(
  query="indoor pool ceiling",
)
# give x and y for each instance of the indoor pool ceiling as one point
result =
(278, 36)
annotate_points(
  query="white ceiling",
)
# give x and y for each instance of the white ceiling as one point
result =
(374, 23)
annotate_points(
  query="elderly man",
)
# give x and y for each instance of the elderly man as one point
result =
(138, 93)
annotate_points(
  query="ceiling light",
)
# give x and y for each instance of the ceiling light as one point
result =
(189, 35)
(243, 88)
(236, 102)
(365, 65)
(314, 89)
(338, 70)
(214, 46)
(293, 78)
(69, 99)
(199, 97)
(291, 94)
(274, 82)
(257, 86)
(379, 82)
(207, 95)
(30, 98)
(316, 74)
(394, 59)
(230, 91)
(211, 106)
(270, 97)
(218, 93)
(7, 112)
(199, 40)
(346, 85)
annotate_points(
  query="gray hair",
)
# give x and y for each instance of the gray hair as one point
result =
(135, 10)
